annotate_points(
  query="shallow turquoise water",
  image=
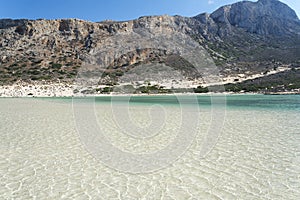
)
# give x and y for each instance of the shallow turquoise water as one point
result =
(290, 102)
(256, 156)
(264, 101)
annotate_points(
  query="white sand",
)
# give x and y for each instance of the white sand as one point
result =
(22, 89)
(44, 89)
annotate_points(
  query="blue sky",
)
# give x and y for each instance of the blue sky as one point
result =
(98, 10)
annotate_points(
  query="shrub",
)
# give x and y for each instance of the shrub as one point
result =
(107, 90)
(56, 65)
(201, 89)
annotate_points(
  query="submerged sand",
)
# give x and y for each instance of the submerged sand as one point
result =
(42, 157)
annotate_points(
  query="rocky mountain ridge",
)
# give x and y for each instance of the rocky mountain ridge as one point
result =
(243, 38)
(264, 17)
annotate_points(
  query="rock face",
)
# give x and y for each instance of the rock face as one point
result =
(241, 37)
(265, 17)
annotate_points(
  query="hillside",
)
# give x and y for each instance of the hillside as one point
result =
(245, 40)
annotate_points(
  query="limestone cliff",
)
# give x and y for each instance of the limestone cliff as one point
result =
(244, 37)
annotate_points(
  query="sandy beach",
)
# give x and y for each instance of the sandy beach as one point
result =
(54, 89)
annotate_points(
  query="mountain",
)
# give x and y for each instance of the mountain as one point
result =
(245, 39)
(265, 17)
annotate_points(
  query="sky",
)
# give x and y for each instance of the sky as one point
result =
(119, 10)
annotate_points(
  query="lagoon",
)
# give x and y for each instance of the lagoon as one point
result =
(255, 156)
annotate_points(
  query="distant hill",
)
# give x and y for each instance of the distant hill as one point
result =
(244, 39)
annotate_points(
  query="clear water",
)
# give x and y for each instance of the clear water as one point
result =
(242, 101)
(257, 155)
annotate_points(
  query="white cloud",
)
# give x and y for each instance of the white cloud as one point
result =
(211, 2)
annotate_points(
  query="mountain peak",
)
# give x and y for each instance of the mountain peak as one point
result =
(268, 1)
(264, 17)
(280, 9)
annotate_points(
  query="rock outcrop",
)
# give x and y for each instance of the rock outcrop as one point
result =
(265, 17)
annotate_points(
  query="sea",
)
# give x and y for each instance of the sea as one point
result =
(150, 147)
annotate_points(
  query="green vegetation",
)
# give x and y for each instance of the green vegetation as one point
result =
(280, 82)
(283, 81)
(107, 90)
(56, 65)
(201, 89)
(26, 71)
(152, 89)
(104, 90)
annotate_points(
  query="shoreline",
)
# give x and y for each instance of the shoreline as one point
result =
(52, 90)
(184, 87)
(153, 95)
